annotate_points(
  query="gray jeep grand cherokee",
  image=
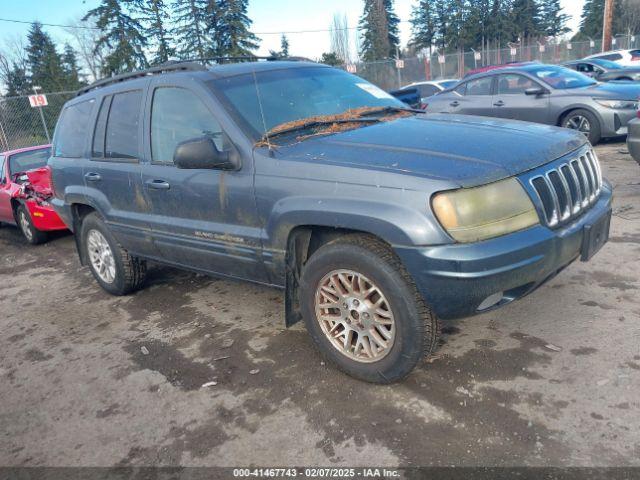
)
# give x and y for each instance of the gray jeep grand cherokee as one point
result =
(375, 219)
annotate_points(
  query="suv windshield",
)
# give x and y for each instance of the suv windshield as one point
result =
(608, 64)
(562, 78)
(24, 161)
(265, 100)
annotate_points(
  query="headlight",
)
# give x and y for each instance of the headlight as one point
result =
(618, 104)
(474, 214)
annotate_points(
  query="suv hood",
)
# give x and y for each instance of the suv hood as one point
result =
(465, 150)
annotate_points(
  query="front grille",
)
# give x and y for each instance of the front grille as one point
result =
(569, 189)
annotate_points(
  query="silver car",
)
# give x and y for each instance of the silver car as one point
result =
(547, 94)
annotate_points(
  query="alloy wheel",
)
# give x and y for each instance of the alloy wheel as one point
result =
(579, 123)
(101, 256)
(355, 316)
(25, 225)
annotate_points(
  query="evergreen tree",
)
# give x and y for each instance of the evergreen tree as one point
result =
(331, 58)
(553, 21)
(380, 30)
(526, 20)
(230, 31)
(45, 63)
(70, 68)
(191, 31)
(122, 34)
(17, 82)
(154, 15)
(423, 24)
(284, 46)
(442, 20)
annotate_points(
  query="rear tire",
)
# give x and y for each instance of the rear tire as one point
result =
(111, 265)
(585, 122)
(395, 313)
(29, 231)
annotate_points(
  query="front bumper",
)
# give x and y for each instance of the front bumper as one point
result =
(616, 122)
(455, 280)
(633, 139)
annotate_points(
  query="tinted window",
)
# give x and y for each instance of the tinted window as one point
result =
(481, 86)
(1, 168)
(428, 90)
(22, 162)
(514, 84)
(178, 115)
(122, 126)
(71, 131)
(584, 68)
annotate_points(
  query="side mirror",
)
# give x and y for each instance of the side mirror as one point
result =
(536, 91)
(202, 153)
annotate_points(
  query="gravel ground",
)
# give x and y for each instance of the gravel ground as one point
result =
(93, 380)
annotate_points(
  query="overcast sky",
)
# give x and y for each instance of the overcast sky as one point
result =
(268, 16)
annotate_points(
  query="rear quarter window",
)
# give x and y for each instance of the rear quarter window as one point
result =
(71, 131)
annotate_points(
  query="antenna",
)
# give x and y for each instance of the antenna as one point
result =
(264, 122)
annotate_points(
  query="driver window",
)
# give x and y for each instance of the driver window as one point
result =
(178, 115)
(1, 168)
(585, 68)
(513, 84)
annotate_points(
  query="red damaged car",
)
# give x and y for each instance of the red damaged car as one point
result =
(25, 190)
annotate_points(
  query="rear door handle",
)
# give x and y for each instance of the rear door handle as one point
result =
(158, 184)
(93, 177)
(499, 104)
(455, 103)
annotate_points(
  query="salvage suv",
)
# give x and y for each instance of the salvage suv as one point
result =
(376, 220)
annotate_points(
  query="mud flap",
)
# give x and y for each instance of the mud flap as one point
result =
(295, 258)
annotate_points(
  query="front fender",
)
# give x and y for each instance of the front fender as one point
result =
(394, 223)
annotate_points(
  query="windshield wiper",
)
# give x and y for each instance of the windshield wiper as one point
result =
(374, 110)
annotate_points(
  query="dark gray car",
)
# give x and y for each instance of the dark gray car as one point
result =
(605, 70)
(547, 94)
(376, 220)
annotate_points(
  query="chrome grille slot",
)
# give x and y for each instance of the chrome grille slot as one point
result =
(569, 189)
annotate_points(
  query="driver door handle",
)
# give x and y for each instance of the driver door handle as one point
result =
(499, 103)
(455, 103)
(93, 177)
(158, 184)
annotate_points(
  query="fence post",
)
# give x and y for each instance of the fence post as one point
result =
(44, 123)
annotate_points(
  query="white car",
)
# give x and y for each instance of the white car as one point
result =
(429, 88)
(627, 58)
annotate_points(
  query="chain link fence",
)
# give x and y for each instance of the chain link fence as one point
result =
(390, 74)
(23, 126)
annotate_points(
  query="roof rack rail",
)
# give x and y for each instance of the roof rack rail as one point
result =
(191, 64)
(163, 68)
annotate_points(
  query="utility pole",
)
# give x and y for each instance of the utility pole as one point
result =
(607, 26)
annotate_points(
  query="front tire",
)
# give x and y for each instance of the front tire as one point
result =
(112, 266)
(585, 122)
(363, 310)
(29, 231)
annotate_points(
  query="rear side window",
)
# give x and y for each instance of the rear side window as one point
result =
(171, 126)
(481, 86)
(25, 161)
(71, 131)
(121, 133)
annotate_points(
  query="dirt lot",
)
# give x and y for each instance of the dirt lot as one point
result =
(551, 380)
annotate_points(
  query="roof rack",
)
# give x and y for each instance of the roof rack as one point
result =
(192, 64)
(164, 68)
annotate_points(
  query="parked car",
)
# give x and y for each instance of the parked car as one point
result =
(25, 190)
(605, 70)
(547, 94)
(627, 58)
(431, 87)
(377, 221)
(409, 96)
(633, 138)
